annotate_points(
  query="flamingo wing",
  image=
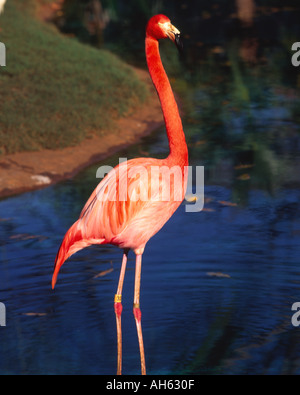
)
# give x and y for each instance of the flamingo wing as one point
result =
(128, 206)
(116, 200)
(125, 209)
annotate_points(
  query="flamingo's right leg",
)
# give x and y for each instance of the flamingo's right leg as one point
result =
(118, 310)
(137, 311)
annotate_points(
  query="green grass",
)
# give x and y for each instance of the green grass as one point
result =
(55, 91)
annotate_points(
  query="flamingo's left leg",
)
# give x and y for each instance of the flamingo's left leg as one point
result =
(137, 312)
(118, 310)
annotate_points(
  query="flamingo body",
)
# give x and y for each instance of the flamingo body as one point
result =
(126, 223)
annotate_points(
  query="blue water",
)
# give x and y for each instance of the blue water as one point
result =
(216, 294)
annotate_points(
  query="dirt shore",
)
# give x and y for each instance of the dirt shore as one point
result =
(27, 171)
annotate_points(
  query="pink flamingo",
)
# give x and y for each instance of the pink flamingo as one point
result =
(129, 222)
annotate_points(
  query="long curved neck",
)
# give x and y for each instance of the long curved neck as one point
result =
(177, 143)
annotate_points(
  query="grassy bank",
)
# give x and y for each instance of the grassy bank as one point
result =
(54, 90)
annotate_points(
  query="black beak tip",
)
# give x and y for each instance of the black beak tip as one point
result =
(178, 42)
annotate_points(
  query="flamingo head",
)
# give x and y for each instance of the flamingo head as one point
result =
(160, 26)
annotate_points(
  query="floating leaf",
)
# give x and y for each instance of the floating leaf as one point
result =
(246, 166)
(225, 203)
(218, 274)
(35, 314)
(104, 273)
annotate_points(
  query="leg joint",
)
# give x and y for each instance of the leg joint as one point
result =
(137, 312)
(118, 305)
(118, 309)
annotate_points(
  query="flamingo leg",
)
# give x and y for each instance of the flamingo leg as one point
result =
(118, 310)
(137, 312)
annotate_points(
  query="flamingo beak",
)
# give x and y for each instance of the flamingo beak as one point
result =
(178, 42)
(174, 34)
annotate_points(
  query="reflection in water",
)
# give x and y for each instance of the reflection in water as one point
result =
(218, 285)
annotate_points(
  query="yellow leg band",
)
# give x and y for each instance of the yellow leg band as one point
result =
(136, 305)
(118, 298)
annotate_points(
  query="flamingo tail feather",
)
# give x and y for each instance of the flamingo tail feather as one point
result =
(72, 242)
